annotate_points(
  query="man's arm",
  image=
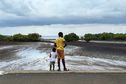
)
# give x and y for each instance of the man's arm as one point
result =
(55, 45)
(65, 44)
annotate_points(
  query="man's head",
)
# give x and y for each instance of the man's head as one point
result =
(60, 34)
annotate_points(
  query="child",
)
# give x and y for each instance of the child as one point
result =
(53, 56)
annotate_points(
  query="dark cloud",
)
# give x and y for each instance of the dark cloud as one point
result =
(46, 12)
(75, 20)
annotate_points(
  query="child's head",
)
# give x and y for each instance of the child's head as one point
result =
(60, 34)
(54, 49)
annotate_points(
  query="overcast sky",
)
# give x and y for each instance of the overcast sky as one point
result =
(44, 12)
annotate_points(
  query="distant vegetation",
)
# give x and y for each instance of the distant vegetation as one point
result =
(71, 37)
(105, 36)
(100, 36)
(34, 37)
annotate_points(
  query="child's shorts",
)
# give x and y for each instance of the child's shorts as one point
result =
(51, 63)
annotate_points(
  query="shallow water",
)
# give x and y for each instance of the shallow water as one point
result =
(29, 57)
(5, 47)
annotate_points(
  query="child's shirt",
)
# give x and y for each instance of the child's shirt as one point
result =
(53, 56)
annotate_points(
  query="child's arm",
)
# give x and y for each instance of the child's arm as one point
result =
(49, 55)
(56, 56)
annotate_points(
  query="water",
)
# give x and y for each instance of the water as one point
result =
(2, 72)
(90, 63)
(49, 37)
(30, 57)
(5, 47)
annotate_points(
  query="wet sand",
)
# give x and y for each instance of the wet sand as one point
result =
(87, 49)
(93, 49)
(79, 56)
(101, 50)
(63, 78)
(8, 50)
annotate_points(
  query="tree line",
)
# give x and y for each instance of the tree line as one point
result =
(34, 37)
(105, 37)
(100, 36)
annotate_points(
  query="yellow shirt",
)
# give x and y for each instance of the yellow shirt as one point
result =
(60, 43)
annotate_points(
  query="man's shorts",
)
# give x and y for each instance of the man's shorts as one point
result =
(60, 54)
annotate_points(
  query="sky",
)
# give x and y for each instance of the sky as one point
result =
(47, 12)
(52, 30)
(48, 17)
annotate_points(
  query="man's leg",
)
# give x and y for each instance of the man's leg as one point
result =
(58, 64)
(58, 60)
(64, 65)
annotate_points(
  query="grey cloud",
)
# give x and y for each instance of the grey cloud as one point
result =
(44, 12)
(66, 20)
(14, 7)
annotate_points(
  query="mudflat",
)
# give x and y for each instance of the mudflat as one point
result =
(112, 51)
(102, 50)
(79, 56)
(63, 78)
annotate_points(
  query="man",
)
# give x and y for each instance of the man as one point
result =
(60, 45)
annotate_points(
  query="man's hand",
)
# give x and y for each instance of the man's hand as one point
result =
(55, 45)
(65, 44)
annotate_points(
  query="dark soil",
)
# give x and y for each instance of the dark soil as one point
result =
(106, 50)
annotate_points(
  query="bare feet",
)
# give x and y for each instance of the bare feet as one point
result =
(66, 69)
(58, 70)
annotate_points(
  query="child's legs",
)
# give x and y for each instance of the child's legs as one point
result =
(51, 65)
(54, 66)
